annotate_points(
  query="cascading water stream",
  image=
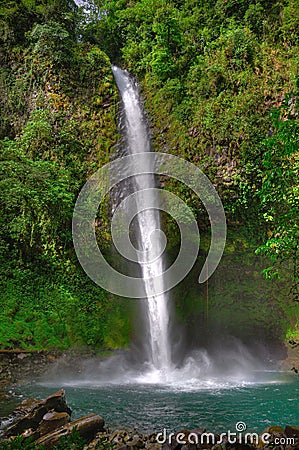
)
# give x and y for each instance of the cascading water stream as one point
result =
(139, 212)
(137, 141)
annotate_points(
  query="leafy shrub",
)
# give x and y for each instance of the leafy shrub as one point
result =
(18, 443)
(70, 442)
(239, 48)
(280, 189)
(162, 64)
(290, 24)
(52, 41)
(255, 19)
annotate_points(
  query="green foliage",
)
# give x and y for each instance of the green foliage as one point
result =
(36, 201)
(58, 125)
(245, 297)
(210, 72)
(255, 19)
(58, 311)
(52, 41)
(280, 189)
(69, 442)
(18, 443)
(17, 18)
(290, 25)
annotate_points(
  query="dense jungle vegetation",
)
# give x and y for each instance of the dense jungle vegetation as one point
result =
(220, 84)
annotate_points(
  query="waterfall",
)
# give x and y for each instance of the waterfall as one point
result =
(137, 141)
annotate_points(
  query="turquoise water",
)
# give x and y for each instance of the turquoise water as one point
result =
(272, 398)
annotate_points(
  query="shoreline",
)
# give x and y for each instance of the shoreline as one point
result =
(20, 368)
(46, 422)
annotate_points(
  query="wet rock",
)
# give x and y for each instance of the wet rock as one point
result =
(101, 440)
(152, 446)
(87, 427)
(53, 420)
(166, 446)
(131, 440)
(30, 433)
(135, 442)
(241, 446)
(18, 367)
(119, 437)
(273, 429)
(30, 412)
(292, 431)
(207, 440)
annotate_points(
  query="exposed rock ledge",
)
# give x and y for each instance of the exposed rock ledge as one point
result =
(47, 421)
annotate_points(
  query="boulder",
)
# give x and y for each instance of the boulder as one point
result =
(30, 412)
(273, 429)
(87, 427)
(292, 431)
(101, 440)
(53, 420)
(136, 442)
(30, 433)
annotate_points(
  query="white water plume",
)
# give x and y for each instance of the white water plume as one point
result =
(137, 141)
